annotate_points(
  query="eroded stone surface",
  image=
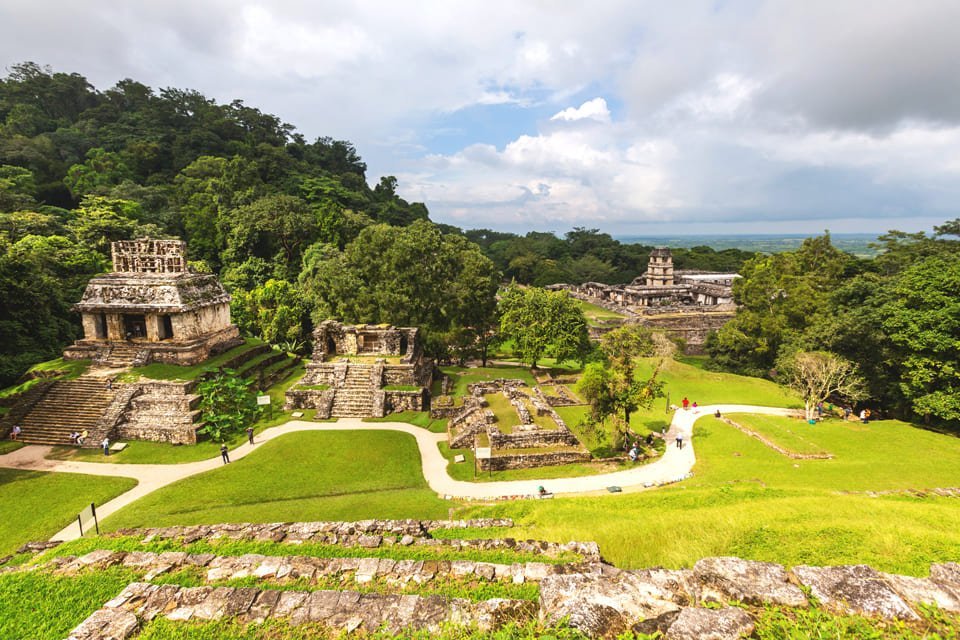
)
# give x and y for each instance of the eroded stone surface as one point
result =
(694, 623)
(947, 574)
(757, 583)
(602, 606)
(106, 624)
(924, 591)
(680, 583)
(854, 589)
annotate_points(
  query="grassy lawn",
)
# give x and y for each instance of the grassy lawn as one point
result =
(40, 606)
(681, 379)
(507, 417)
(7, 446)
(35, 505)
(747, 500)
(418, 418)
(302, 476)
(59, 369)
(463, 376)
(793, 434)
(596, 313)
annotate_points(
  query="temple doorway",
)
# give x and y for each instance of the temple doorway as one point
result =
(166, 328)
(134, 327)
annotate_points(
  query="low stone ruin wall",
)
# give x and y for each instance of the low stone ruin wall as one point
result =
(319, 399)
(162, 411)
(530, 439)
(531, 460)
(370, 534)
(397, 401)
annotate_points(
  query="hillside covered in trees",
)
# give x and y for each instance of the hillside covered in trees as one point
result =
(292, 226)
(896, 318)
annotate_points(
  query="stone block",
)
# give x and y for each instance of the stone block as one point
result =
(694, 623)
(854, 589)
(924, 591)
(756, 583)
(602, 606)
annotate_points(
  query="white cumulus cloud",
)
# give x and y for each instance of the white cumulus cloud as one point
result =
(595, 109)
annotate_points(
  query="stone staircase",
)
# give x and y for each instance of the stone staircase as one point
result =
(354, 396)
(122, 356)
(68, 406)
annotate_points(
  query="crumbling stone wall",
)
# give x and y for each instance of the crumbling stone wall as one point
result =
(397, 401)
(531, 439)
(162, 411)
(527, 461)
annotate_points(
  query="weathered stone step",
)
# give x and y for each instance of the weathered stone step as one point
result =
(313, 570)
(371, 534)
(344, 611)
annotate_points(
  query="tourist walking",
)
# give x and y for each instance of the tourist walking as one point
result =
(15, 432)
(679, 441)
(250, 434)
(685, 403)
(106, 446)
(225, 454)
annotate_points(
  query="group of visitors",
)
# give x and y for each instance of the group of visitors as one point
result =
(688, 405)
(78, 438)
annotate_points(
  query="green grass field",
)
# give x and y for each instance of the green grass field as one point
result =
(463, 376)
(747, 500)
(35, 505)
(8, 446)
(302, 476)
(685, 380)
(596, 314)
(793, 434)
(418, 418)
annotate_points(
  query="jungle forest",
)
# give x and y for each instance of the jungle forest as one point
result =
(297, 234)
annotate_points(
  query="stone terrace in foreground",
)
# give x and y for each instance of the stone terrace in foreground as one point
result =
(397, 575)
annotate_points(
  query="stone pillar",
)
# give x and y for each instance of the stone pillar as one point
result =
(153, 327)
(115, 327)
(90, 326)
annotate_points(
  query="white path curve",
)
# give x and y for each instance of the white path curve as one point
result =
(674, 465)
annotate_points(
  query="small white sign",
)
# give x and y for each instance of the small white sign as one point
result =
(263, 400)
(458, 458)
(484, 453)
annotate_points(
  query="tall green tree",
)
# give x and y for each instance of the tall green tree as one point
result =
(921, 315)
(275, 312)
(414, 276)
(543, 323)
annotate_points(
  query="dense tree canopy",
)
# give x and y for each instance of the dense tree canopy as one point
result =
(411, 276)
(895, 317)
(543, 323)
(80, 168)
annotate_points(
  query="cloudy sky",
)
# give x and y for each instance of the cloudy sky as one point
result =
(634, 117)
